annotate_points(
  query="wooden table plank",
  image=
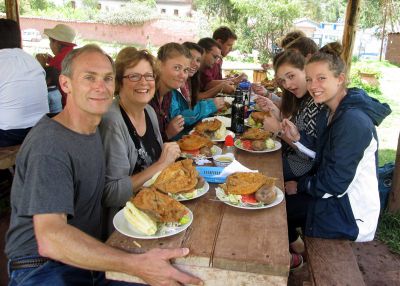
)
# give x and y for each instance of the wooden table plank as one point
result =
(266, 250)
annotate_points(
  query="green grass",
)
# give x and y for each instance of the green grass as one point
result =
(389, 231)
(386, 156)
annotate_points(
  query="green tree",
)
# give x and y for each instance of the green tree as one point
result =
(328, 11)
(91, 4)
(223, 9)
(373, 11)
(261, 23)
(39, 4)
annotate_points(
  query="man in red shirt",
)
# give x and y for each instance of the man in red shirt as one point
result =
(61, 43)
(212, 76)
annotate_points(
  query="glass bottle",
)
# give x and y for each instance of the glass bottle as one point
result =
(237, 124)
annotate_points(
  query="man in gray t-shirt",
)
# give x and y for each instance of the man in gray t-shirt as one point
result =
(58, 187)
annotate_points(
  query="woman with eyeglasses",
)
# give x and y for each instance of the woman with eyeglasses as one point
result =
(184, 101)
(173, 64)
(131, 136)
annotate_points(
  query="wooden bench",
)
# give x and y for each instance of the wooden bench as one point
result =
(7, 156)
(332, 262)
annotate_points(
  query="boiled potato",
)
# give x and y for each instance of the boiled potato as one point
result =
(258, 145)
(266, 194)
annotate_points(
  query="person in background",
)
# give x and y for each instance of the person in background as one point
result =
(339, 198)
(61, 43)
(174, 61)
(57, 192)
(185, 103)
(54, 94)
(288, 39)
(212, 76)
(212, 53)
(306, 46)
(23, 91)
(133, 146)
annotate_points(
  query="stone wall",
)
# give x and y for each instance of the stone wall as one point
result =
(156, 32)
(393, 48)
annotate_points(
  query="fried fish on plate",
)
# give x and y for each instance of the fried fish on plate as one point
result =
(158, 206)
(245, 183)
(258, 116)
(208, 126)
(193, 142)
(179, 177)
(255, 134)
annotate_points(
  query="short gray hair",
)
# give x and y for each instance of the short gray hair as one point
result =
(67, 63)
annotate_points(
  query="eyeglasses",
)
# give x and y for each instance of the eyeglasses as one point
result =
(135, 77)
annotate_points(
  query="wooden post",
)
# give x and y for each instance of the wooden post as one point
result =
(349, 33)
(394, 197)
(12, 10)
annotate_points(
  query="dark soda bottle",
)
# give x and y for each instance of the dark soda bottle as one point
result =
(237, 124)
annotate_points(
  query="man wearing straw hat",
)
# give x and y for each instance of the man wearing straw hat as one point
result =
(61, 43)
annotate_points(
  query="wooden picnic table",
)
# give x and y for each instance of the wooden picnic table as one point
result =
(228, 245)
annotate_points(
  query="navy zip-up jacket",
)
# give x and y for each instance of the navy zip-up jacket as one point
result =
(345, 185)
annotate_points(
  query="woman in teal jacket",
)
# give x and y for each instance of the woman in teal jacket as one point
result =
(184, 101)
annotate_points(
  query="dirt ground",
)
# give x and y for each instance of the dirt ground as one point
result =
(378, 265)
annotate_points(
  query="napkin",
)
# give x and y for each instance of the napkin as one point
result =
(234, 167)
(201, 161)
(305, 150)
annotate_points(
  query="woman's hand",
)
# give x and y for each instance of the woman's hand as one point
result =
(291, 187)
(271, 124)
(175, 126)
(170, 152)
(259, 89)
(290, 130)
(219, 102)
(265, 104)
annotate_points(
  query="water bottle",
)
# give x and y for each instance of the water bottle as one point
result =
(245, 86)
(238, 112)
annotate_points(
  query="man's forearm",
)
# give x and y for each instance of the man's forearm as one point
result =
(71, 246)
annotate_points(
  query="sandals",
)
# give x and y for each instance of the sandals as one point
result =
(296, 261)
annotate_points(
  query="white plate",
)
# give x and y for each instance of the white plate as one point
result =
(278, 146)
(215, 150)
(124, 227)
(248, 206)
(200, 192)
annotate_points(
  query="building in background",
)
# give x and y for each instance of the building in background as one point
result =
(366, 45)
(182, 8)
(393, 48)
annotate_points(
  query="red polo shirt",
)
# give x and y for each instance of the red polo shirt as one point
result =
(210, 74)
